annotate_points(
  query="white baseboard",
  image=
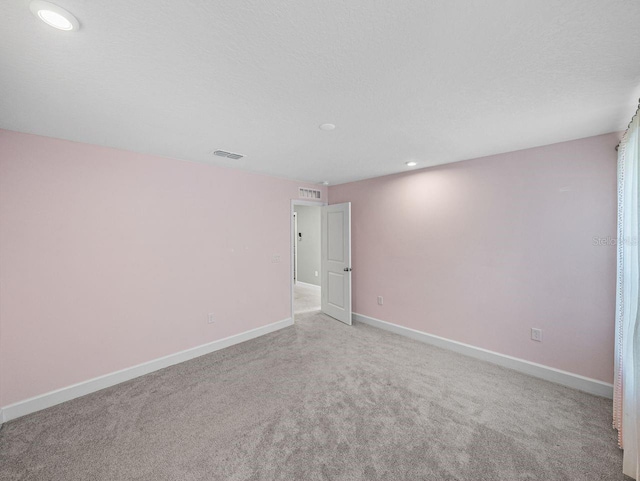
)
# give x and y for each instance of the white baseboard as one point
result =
(58, 396)
(306, 284)
(575, 381)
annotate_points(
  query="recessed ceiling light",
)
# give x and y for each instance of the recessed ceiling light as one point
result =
(327, 127)
(411, 163)
(53, 15)
(325, 182)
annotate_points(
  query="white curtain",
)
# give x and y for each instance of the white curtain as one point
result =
(626, 407)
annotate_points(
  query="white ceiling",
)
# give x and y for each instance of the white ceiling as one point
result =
(431, 81)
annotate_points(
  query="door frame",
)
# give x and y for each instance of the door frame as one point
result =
(295, 248)
(292, 233)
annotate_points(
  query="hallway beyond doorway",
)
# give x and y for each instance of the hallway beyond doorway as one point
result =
(306, 298)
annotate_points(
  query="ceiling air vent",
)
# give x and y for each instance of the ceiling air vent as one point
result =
(309, 193)
(228, 155)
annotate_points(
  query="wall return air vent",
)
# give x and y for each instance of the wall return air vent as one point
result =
(228, 155)
(309, 193)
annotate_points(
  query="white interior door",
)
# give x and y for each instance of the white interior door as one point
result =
(336, 261)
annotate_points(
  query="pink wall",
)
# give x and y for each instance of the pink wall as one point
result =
(111, 258)
(481, 251)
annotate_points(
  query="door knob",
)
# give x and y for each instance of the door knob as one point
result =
(347, 269)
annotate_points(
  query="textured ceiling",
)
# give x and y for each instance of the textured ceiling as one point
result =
(431, 81)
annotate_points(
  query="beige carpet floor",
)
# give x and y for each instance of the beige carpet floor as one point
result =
(320, 401)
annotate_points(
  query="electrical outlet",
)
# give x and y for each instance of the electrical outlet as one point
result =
(536, 334)
(275, 259)
(380, 300)
(316, 273)
(210, 319)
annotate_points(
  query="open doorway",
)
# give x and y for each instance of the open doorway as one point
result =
(306, 241)
(327, 276)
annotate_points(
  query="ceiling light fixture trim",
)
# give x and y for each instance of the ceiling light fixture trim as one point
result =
(54, 16)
